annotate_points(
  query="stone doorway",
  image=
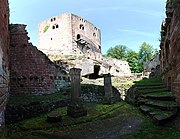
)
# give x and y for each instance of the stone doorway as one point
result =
(94, 75)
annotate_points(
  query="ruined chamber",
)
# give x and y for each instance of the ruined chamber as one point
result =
(71, 41)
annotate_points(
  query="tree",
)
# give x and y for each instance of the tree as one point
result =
(133, 59)
(118, 52)
(146, 52)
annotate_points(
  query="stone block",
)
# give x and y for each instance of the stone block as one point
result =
(76, 110)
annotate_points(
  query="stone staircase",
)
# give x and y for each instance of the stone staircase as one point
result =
(154, 100)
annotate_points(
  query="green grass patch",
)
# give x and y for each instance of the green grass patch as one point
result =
(39, 124)
(148, 130)
(149, 81)
(159, 94)
(95, 111)
(24, 99)
(161, 103)
(152, 90)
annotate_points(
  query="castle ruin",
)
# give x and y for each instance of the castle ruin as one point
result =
(79, 41)
(69, 34)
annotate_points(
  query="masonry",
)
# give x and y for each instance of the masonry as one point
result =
(69, 38)
(4, 49)
(69, 34)
(170, 48)
(30, 70)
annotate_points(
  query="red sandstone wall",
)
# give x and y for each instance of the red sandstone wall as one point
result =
(170, 49)
(30, 70)
(4, 45)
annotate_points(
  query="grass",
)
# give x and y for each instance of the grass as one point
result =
(38, 128)
(158, 111)
(149, 81)
(161, 103)
(95, 112)
(159, 94)
(152, 90)
(150, 131)
(24, 99)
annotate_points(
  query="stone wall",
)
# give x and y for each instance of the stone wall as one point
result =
(152, 67)
(30, 70)
(69, 34)
(170, 47)
(4, 49)
(55, 35)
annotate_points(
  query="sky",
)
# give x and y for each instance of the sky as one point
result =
(122, 22)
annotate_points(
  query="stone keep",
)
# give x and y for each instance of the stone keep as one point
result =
(69, 34)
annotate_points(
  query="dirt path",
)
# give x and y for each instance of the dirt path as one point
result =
(104, 129)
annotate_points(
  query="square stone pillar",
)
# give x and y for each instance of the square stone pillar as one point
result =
(75, 107)
(108, 89)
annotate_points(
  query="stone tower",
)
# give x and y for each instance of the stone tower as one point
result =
(69, 34)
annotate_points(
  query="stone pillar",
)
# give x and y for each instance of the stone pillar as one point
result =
(108, 88)
(75, 107)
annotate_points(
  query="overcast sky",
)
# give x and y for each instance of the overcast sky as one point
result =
(126, 22)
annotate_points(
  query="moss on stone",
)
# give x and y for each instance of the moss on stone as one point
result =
(22, 99)
(46, 28)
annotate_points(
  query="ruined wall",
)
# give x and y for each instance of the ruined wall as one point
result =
(170, 47)
(30, 70)
(69, 34)
(4, 45)
(86, 38)
(152, 67)
(55, 35)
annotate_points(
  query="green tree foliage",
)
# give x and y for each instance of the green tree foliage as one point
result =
(118, 52)
(146, 52)
(135, 60)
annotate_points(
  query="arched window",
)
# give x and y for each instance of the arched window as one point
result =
(81, 26)
(55, 26)
(94, 34)
(78, 36)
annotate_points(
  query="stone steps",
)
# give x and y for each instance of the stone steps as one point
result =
(159, 96)
(148, 84)
(160, 104)
(159, 116)
(151, 91)
(145, 87)
(154, 100)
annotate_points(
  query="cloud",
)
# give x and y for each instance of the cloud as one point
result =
(102, 9)
(126, 9)
(136, 32)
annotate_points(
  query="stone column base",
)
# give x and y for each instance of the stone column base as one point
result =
(76, 110)
(108, 100)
